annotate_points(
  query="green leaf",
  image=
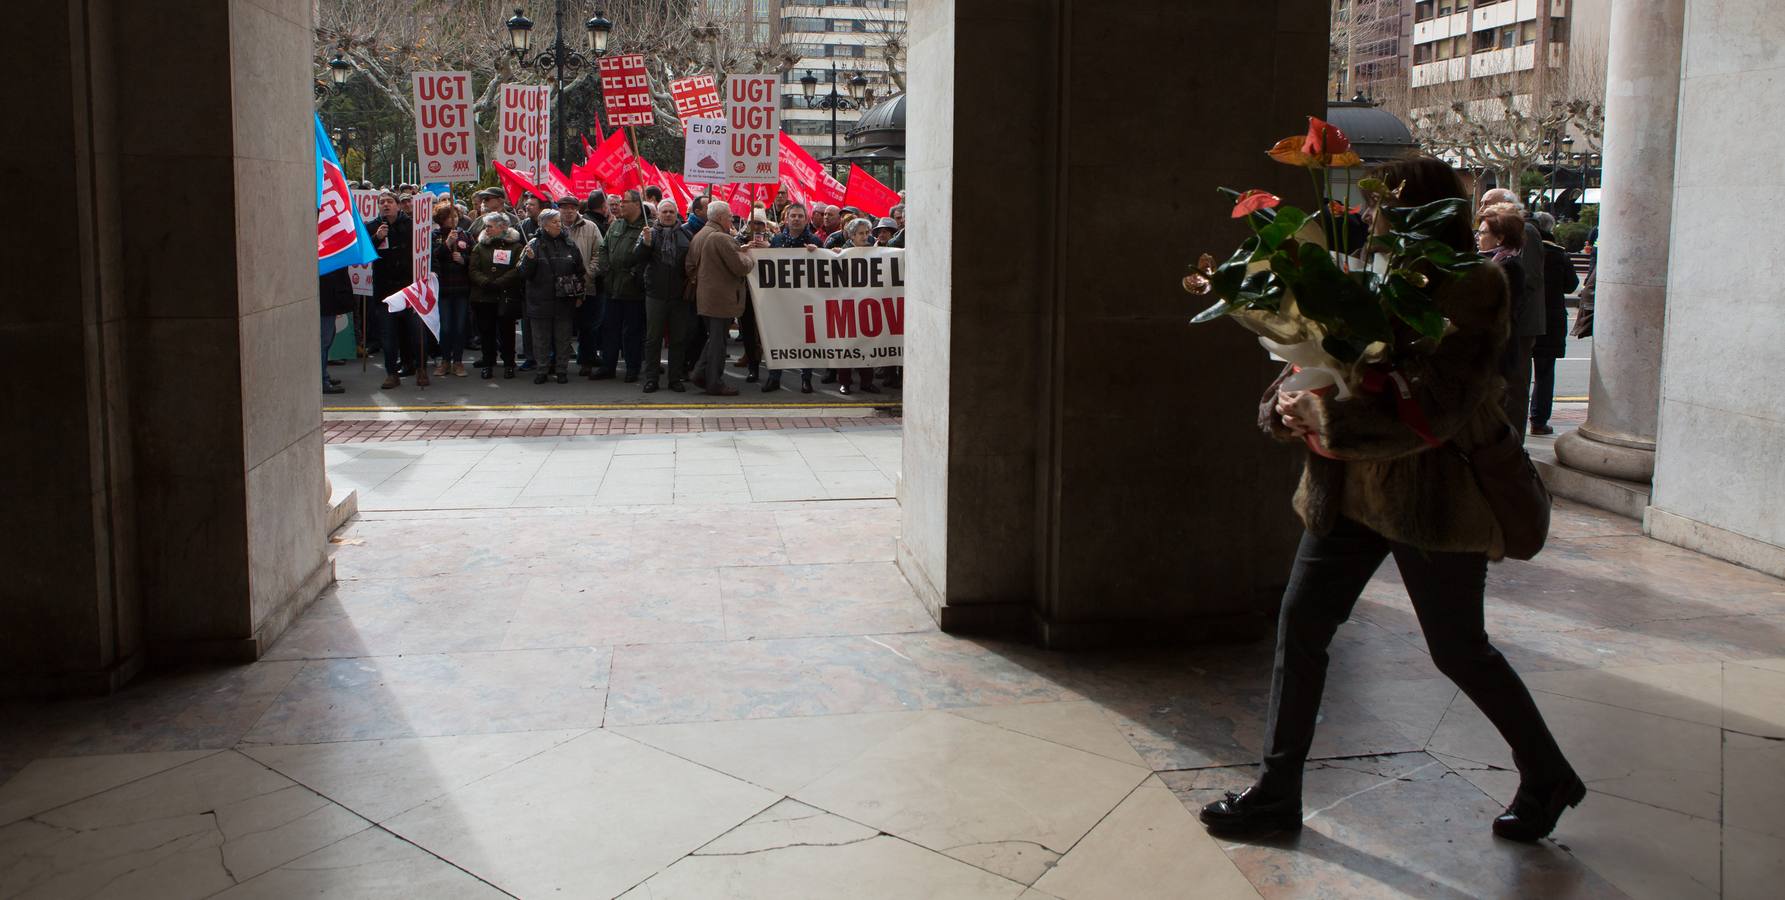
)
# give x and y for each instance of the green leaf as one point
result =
(1413, 306)
(1221, 308)
(1289, 220)
(1428, 221)
(1262, 290)
(1229, 275)
(1342, 349)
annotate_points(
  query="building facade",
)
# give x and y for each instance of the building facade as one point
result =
(846, 37)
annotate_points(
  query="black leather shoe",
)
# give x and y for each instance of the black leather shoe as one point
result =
(1541, 428)
(677, 386)
(846, 389)
(508, 371)
(651, 386)
(869, 388)
(564, 377)
(1251, 813)
(631, 377)
(540, 378)
(771, 383)
(601, 375)
(805, 384)
(486, 373)
(1533, 813)
(830, 377)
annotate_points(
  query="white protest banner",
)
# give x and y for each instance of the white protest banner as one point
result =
(704, 154)
(829, 308)
(423, 292)
(526, 125)
(445, 137)
(753, 128)
(365, 205)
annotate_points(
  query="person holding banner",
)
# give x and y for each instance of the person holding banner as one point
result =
(667, 308)
(496, 290)
(392, 233)
(552, 269)
(716, 267)
(858, 233)
(795, 232)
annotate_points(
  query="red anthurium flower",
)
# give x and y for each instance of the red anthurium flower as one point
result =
(1324, 139)
(1253, 201)
(1289, 152)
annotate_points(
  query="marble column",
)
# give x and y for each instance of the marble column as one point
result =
(1642, 99)
(1080, 463)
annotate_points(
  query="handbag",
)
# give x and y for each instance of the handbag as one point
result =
(1514, 491)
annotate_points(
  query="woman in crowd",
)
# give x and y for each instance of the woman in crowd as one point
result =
(860, 233)
(552, 268)
(1500, 235)
(495, 274)
(452, 249)
(1382, 488)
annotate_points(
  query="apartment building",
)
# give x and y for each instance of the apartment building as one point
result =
(1465, 49)
(851, 36)
(1371, 41)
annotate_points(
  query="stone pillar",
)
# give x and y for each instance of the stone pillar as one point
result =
(1080, 462)
(1642, 98)
(165, 451)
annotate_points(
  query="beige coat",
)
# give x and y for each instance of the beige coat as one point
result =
(585, 234)
(716, 269)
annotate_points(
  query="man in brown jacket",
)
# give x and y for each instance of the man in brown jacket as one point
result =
(716, 270)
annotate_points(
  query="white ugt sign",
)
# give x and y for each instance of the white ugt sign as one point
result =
(445, 138)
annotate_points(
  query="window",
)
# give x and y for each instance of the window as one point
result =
(806, 24)
(845, 51)
(1508, 36)
(1422, 11)
(1484, 41)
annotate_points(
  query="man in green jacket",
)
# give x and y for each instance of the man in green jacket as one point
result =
(621, 262)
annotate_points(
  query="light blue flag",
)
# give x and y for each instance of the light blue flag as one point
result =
(341, 238)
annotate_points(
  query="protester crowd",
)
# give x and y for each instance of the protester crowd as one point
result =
(1539, 275)
(609, 284)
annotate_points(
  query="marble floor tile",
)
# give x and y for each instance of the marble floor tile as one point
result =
(847, 535)
(1648, 852)
(1691, 691)
(882, 868)
(610, 608)
(48, 783)
(780, 678)
(1753, 865)
(1150, 846)
(810, 601)
(1671, 763)
(590, 818)
(1079, 724)
(419, 696)
(380, 779)
(372, 863)
(393, 617)
(1391, 826)
(788, 823)
(1754, 700)
(192, 830)
(988, 796)
(782, 755)
(1753, 789)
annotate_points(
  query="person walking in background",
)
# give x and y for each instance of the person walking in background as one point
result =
(621, 263)
(552, 269)
(335, 291)
(451, 264)
(1380, 489)
(1528, 315)
(496, 291)
(716, 268)
(1558, 279)
(667, 307)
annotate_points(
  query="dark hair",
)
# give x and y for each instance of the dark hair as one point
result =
(794, 204)
(699, 203)
(1422, 180)
(634, 197)
(653, 193)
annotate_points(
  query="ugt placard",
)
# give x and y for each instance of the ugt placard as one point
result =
(753, 126)
(445, 134)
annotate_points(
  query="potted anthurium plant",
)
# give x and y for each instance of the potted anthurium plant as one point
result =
(1317, 291)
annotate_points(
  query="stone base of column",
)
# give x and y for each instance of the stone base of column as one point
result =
(1624, 457)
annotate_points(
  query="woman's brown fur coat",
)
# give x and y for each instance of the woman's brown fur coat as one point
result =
(1387, 477)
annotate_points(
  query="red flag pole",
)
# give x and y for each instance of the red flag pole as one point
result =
(632, 138)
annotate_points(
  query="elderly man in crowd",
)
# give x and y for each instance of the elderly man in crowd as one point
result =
(622, 262)
(585, 234)
(667, 308)
(717, 266)
(1527, 317)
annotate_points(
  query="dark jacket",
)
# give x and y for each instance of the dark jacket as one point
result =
(807, 238)
(666, 277)
(1558, 279)
(336, 292)
(455, 277)
(838, 239)
(1527, 307)
(621, 260)
(492, 282)
(1385, 476)
(390, 271)
(1513, 267)
(552, 257)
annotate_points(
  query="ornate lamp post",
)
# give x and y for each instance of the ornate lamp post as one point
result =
(857, 86)
(558, 58)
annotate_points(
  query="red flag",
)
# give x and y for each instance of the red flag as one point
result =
(652, 174)
(515, 184)
(556, 182)
(615, 165)
(678, 189)
(867, 194)
(588, 151)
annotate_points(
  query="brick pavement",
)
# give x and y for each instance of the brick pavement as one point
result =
(360, 431)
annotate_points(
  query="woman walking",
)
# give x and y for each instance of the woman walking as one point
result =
(1385, 490)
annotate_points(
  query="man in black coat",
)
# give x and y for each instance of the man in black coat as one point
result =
(392, 233)
(1558, 280)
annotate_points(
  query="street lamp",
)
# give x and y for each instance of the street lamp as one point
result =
(557, 58)
(339, 70)
(833, 101)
